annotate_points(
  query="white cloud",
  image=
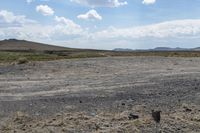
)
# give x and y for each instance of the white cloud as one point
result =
(29, 1)
(101, 3)
(45, 10)
(148, 2)
(176, 28)
(42, 33)
(67, 22)
(63, 29)
(90, 15)
(8, 19)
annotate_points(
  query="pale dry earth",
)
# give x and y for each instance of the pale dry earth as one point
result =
(98, 94)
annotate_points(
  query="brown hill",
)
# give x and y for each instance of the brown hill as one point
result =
(22, 45)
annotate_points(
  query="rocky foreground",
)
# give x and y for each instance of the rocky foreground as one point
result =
(113, 94)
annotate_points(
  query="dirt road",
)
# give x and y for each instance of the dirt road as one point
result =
(101, 89)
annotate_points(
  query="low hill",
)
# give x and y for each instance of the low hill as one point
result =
(22, 45)
(169, 49)
(122, 49)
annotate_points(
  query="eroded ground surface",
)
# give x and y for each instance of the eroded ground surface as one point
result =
(98, 95)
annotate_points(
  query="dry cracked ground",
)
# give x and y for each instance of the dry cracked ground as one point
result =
(99, 94)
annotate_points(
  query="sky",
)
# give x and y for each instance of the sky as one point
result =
(103, 24)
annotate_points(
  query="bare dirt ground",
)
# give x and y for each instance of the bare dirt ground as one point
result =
(98, 95)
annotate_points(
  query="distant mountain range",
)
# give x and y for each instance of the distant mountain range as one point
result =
(158, 49)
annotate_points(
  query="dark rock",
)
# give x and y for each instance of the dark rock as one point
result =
(133, 117)
(123, 104)
(156, 116)
(187, 109)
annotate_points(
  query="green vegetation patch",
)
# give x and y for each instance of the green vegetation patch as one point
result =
(17, 56)
(26, 56)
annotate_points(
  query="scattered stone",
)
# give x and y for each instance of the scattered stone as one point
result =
(156, 116)
(187, 109)
(93, 114)
(133, 117)
(123, 104)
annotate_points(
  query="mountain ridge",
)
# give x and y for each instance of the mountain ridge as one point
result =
(24, 45)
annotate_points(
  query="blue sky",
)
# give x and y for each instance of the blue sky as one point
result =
(103, 24)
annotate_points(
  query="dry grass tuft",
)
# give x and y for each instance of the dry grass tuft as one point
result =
(105, 122)
(22, 60)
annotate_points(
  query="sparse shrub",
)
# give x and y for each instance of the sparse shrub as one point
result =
(22, 60)
(48, 52)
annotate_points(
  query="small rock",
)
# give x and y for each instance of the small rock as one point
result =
(123, 104)
(93, 114)
(187, 109)
(133, 117)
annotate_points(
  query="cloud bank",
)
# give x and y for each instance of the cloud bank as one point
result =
(101, 3)
(176, 28)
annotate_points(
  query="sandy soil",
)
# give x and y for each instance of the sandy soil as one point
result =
(98, 95)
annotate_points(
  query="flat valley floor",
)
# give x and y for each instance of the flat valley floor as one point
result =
(101, 95)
